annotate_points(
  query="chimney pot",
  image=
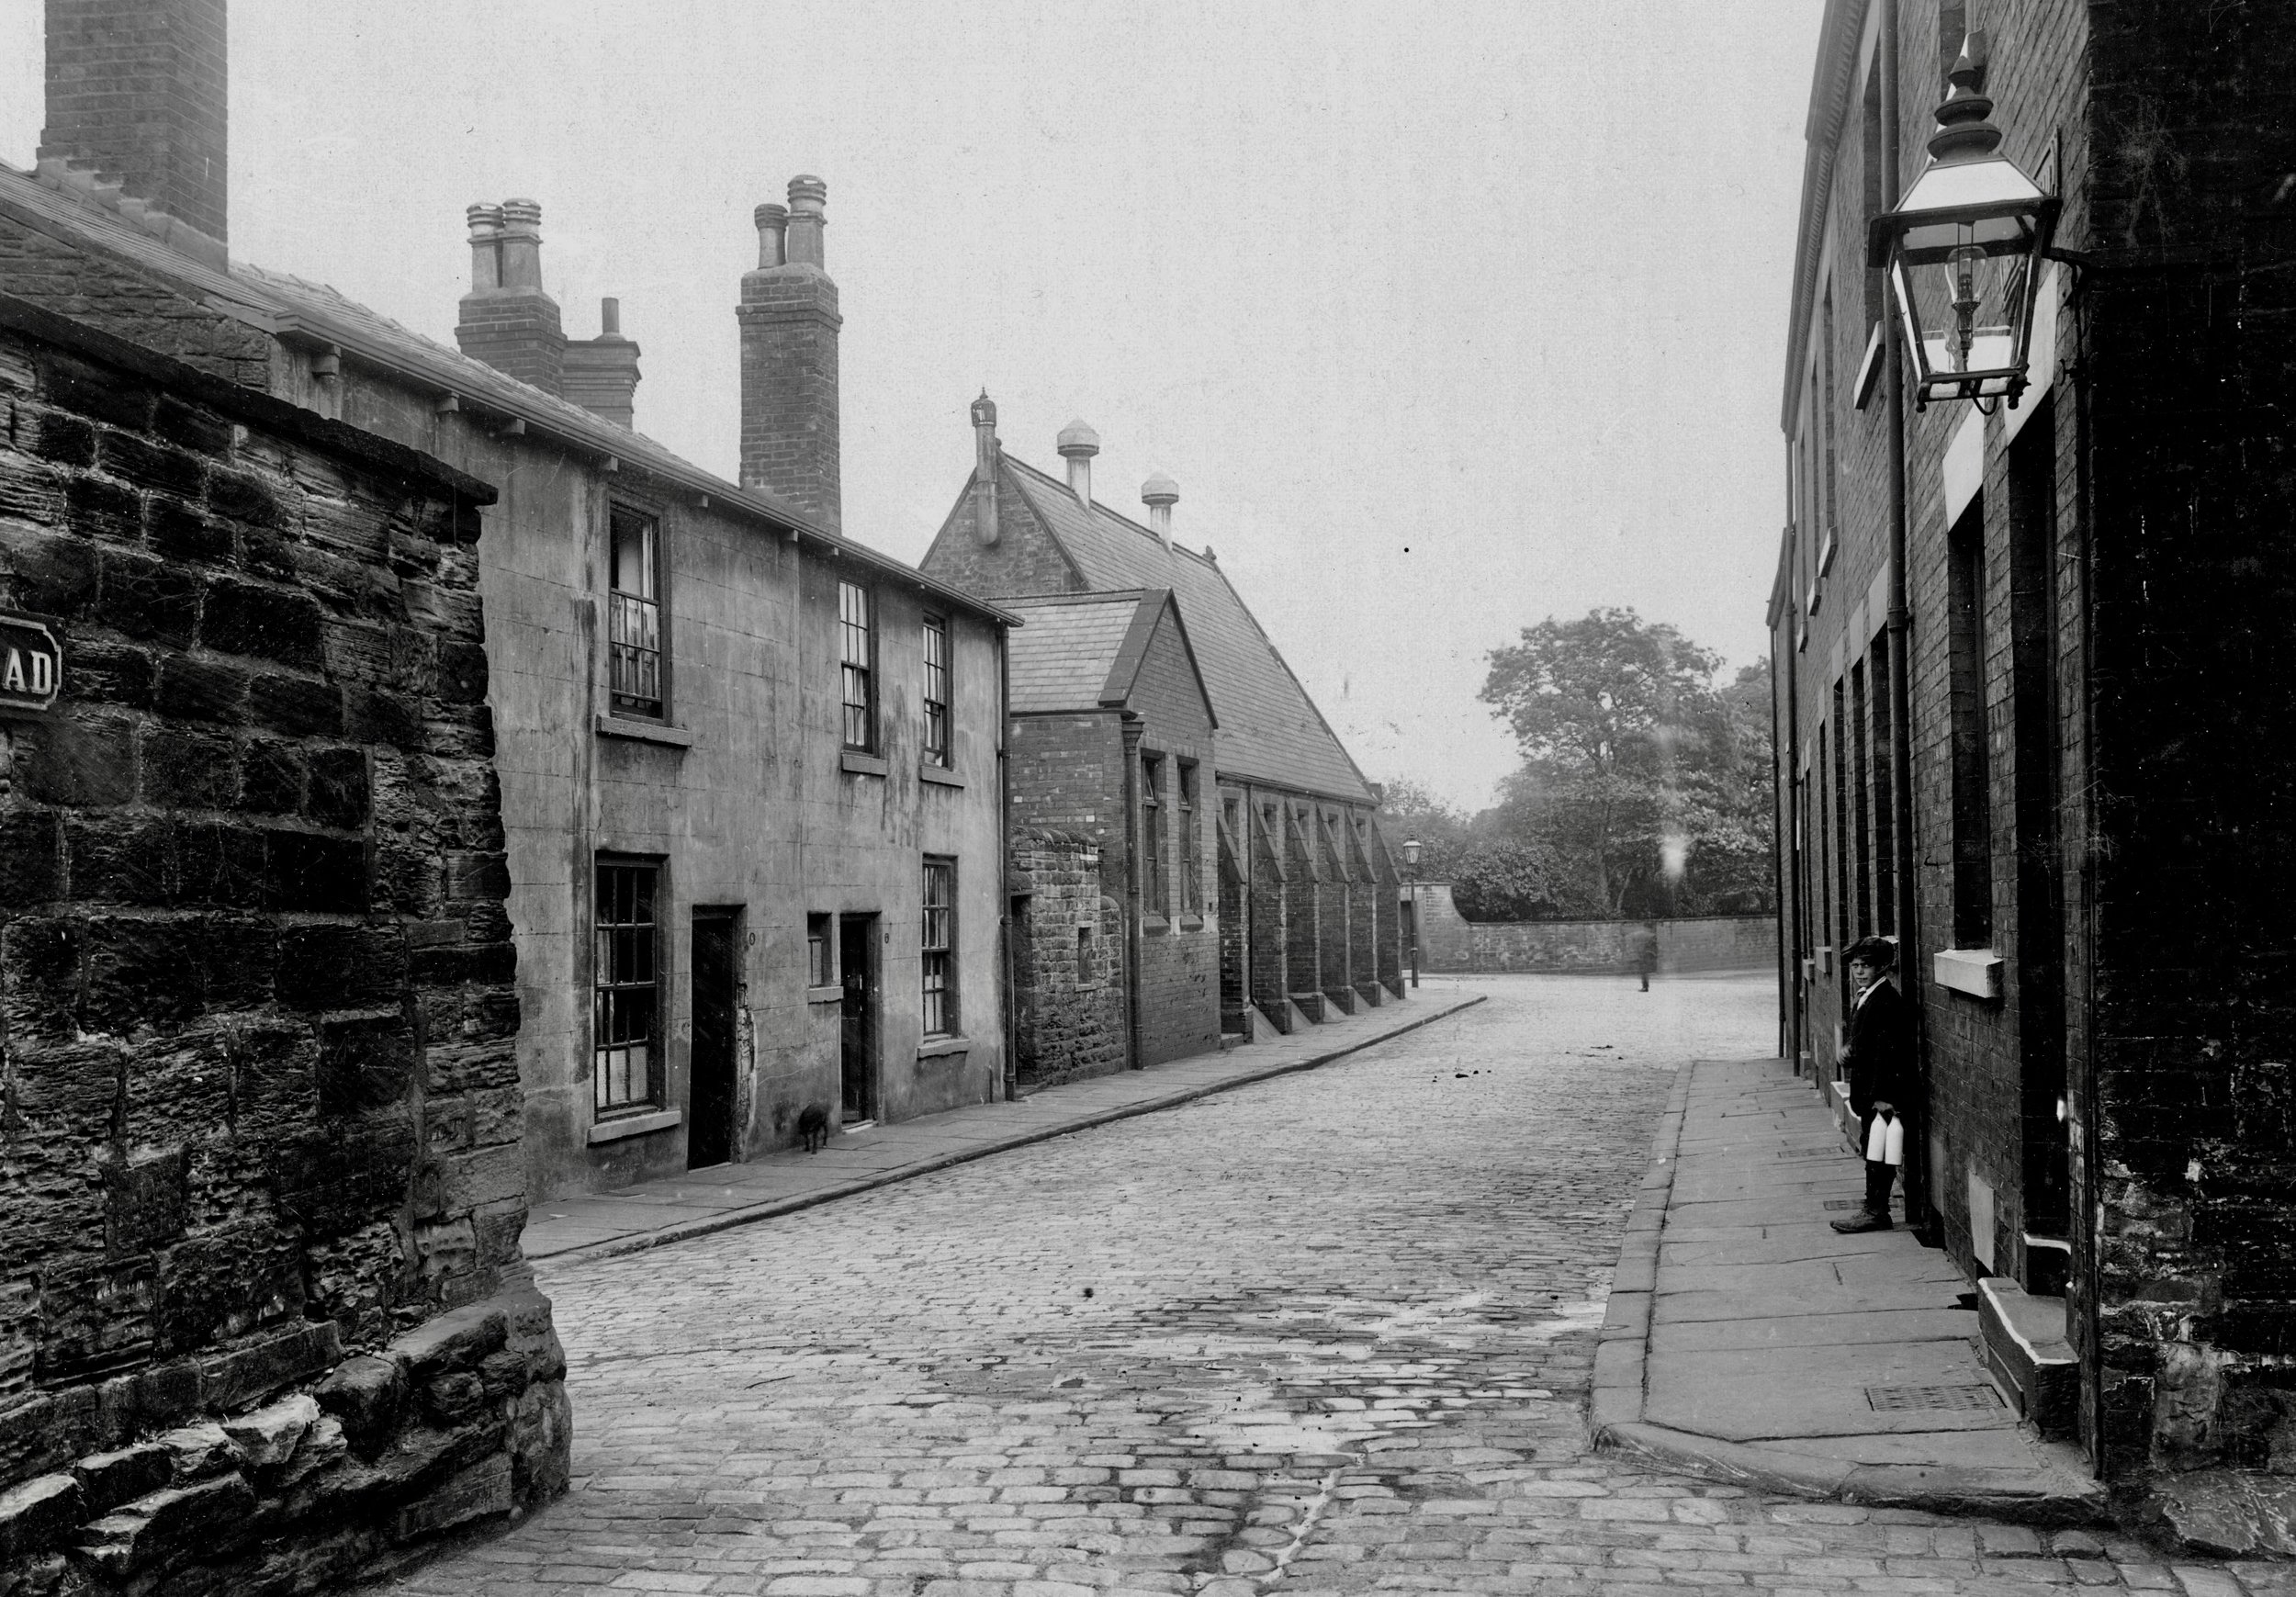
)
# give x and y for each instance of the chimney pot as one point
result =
(507, 320)
(610, 318)
(773, 235)
(807, 218)
(1160, 493)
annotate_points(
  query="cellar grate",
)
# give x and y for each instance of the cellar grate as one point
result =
(1966, 1399)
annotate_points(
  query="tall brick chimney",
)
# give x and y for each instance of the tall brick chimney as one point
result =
(988, 454)
(789, 324)
(602, 372)
(507, 321)
(137, 92)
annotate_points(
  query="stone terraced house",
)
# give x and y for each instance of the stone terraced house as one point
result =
(751, 769)
(1244, 879)
(2032, 727)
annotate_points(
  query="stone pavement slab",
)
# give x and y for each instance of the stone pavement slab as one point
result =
(598, 1225)
(1746, 1339)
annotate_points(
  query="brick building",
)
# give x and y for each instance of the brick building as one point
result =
(1259, 893)
(751, 769)
(2029, 729)
(264, 1320)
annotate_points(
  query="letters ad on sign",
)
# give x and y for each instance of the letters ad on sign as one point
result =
(31, 664)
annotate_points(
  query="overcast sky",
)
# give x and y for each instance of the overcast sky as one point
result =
(1446, 318)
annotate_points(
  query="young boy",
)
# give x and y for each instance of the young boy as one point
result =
(1881, 1068)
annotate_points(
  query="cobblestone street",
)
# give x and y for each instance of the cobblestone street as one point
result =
(1327, 1334)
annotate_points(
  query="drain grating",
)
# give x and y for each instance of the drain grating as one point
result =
(1968, 1399)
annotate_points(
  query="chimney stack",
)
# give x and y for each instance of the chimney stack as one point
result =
(507, 321)
(1160, 493)
(986, 452)
(789, 330)
(136, 97)
(1079, 444)
(601, 373)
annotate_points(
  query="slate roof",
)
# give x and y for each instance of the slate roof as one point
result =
(1271, 730)
(314, 315)
(1061, 658)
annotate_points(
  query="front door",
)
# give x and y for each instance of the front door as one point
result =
(857, 967)
(716, 978)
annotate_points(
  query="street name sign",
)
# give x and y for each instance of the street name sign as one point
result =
(31, 664)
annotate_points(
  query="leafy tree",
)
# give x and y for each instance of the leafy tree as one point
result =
(1629, 757)
(1509, 879)
(1408, 809)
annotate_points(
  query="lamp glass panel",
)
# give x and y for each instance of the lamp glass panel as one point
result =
(1964, 310)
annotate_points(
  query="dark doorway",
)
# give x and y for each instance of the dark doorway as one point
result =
(857, 970)
(716, 989)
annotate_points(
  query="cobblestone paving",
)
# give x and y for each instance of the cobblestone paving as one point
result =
(1330, 1333)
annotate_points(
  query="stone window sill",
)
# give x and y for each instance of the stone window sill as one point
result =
(858, 764)
(832, 994)
(638, 731)
(942, 1047)
(1977, 971)
(1191, 923)
(622, 1126)
(940, 776)
(1154, 923)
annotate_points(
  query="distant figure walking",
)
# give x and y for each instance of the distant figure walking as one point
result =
(1881, 1075)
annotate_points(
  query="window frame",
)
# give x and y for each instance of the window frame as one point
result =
(937, 1010)
(1155, 883)
(1187, 797)
(936, 728)
(630, 704)
(849, 670)
(820, 955)
(607, 986)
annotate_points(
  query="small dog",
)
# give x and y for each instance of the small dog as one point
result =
(813, 1127)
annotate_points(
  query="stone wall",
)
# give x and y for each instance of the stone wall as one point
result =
(1068, 960)
(263, 1318)
(1451, 942)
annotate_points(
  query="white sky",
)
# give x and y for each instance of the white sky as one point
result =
(1446, 318)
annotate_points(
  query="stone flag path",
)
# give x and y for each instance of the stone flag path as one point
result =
(1748, 1339)
(674, 1208)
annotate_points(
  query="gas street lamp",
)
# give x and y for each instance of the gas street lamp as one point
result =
(1964, 250)
(1411, 863)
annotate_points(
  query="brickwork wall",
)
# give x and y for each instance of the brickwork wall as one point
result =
(1271, 888)
(137, 89)
(518, 332)
(1068, 965)
(2188, 356)
(1303, 906)
(2172, 356)
(259, 1101)
(789, 385)
(1179, 960)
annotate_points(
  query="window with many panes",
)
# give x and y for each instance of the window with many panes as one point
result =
(1152, 888)
(634, 615)
(626, 997)
(856, 658)
(936, 691)
(1191, 856)
(938, 947)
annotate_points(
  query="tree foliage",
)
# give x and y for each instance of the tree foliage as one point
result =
(1644, 788)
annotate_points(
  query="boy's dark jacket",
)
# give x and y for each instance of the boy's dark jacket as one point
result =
(1880, 1049)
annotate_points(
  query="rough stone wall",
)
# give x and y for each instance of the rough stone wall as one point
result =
(1069, 960)
(73, 281)
(1451, 942)
(259, 1107)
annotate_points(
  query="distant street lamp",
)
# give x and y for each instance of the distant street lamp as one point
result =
(1964, 252)
(1411, 863)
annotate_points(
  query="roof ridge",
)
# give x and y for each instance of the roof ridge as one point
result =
(1117, 516)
